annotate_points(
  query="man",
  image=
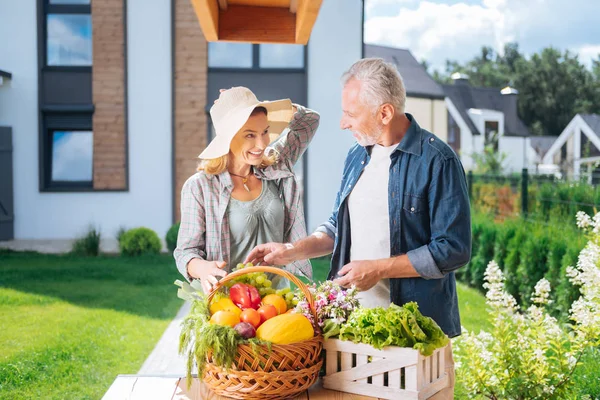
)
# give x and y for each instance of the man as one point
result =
(401, 223)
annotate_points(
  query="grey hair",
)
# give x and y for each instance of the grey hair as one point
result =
(381, 83)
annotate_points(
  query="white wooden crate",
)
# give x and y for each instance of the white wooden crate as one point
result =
(391, 373)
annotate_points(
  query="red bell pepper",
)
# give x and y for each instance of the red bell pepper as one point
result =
(244, 296)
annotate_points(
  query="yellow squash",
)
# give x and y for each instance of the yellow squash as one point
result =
(286, 329)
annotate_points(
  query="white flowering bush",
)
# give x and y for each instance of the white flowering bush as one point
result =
(530, 354)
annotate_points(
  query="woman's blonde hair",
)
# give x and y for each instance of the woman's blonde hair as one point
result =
(215, 166)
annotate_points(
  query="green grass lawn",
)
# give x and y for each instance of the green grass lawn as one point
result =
(71, 324)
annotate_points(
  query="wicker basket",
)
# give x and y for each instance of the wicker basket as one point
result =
(286, 371)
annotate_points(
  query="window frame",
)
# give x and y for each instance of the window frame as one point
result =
(63, 121)
(61, 9)
(256, 63)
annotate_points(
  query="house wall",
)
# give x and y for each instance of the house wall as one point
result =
(190, 94)
(330, 53)
(517, 153)
(430, 114)
(68, 214)
(467, 139)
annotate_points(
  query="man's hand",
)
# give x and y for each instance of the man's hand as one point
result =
(271, 254)
(206, 271)
(362, 274)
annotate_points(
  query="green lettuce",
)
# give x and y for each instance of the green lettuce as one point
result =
(402, 326)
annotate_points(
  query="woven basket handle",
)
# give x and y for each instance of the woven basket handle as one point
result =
(273, 270)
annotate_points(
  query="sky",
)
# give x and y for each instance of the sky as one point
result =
(437, 30)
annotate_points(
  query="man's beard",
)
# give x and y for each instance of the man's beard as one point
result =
(368, 140)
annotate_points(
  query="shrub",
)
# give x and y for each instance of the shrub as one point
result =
(171, 237)
(528, 251)
(531, 355)
(484, 253)
(139, 241)
(88, 245)
(532, 262)
(120, 234)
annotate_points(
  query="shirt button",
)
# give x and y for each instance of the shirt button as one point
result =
(412, 209)
(362, 162)
(349, 185)
(432, 139)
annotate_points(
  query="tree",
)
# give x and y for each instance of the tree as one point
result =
(553, 86)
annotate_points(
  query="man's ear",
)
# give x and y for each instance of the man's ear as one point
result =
(386, 113)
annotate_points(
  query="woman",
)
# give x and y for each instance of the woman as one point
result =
(245, 192)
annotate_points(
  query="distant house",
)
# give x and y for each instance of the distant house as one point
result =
(541, 145)
(424, 96)
(480, 116)
(577, 149)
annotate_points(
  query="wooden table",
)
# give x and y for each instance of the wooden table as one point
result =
(136, 387)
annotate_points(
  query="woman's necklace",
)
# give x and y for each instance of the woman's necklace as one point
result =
(244, 179)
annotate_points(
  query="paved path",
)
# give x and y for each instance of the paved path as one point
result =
(55, 246)
(165, 358)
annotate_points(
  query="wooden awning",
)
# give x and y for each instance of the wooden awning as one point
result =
(257, 21)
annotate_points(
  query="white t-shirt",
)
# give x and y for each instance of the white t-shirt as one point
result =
(370, 221)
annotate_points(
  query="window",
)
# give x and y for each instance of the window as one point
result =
(68, 143)
(453, 134)
(72, 156)
(211, 129)
(68, 28)
(229, 55)
(70, 2)
(491, 134)
(281, 56)
(66, 106)
(254, 56)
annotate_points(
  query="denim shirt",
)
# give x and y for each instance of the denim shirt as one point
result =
(430, 221)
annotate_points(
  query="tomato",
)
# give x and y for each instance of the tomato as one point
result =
(250, 316)
(266, 312)
(244, 296)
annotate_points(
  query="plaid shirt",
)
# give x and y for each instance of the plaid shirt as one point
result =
(204, 229)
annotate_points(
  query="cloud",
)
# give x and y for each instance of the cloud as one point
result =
(72, 154)
(588, 53)
(437, 31)
(69, 40)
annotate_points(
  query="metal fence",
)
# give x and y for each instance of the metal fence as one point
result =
(545, 199)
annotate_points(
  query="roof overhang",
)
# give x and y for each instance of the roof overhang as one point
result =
(257, 21)
(4, 76)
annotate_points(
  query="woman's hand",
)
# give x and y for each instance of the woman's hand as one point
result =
(206, 271)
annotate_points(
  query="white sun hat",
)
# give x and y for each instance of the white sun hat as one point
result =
(232, 110)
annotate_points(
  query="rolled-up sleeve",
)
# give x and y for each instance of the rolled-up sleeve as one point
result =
(450, 223)
(192, 231)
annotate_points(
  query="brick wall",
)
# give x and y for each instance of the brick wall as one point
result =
(190, 82)
(108, 88)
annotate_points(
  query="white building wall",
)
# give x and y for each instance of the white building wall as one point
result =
(67, 215)
(516, 150)
(335, 44)
(467, 140)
